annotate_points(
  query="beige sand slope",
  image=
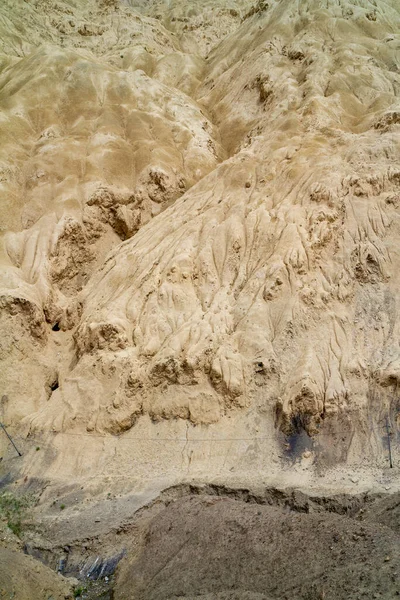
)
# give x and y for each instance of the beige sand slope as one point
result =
(200, 231)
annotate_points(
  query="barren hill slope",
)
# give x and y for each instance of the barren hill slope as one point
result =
(200, 230)
(199, 297)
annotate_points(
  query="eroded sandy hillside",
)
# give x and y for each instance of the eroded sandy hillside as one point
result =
(200, 226)
(199, 288)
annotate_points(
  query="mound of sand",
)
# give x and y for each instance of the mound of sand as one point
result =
(24, 578)
(224, 548)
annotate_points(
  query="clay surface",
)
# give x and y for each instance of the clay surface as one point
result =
(251, 166)
(199, 261)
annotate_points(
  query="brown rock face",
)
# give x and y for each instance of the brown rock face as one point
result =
(200, 214)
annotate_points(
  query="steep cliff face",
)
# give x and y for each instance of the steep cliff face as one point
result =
(201, 216)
